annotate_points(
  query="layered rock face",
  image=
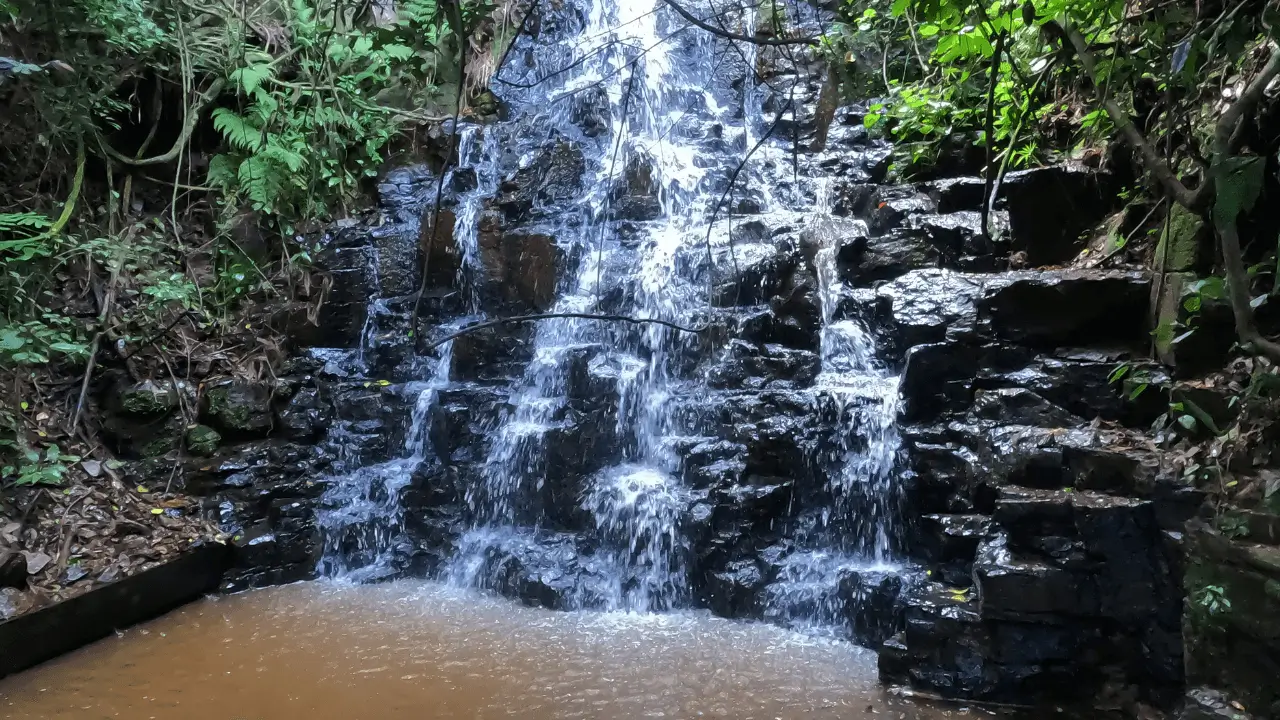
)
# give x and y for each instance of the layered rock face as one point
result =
(1051, 533)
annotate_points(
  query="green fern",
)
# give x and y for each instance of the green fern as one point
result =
(251, 77)
(237, 131)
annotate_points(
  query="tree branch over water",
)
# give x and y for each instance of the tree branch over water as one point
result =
(699, 22)
(548, 316)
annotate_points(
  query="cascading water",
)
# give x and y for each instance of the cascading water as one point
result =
(853, 536)
(586, 495)
(360, 515)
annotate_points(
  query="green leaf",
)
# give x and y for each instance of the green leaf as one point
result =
(396, 51)
(11, 340)
(67, 348)
(870, 120)
(237, 130)
(1212, 287)
(1187, 422)
(249, 78)
(899, 7)
(929, 30)
(1238, 184)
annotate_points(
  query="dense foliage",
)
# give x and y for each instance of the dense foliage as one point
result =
(164, 160)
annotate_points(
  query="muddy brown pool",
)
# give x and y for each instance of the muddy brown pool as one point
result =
(419, 650)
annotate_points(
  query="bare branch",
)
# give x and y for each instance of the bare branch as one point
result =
(547, 316)
(193, 117)
(682, 12)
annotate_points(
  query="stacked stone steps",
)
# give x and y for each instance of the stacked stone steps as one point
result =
(1054, 576)
(1048, 524)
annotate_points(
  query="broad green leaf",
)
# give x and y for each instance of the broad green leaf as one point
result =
(396, 51)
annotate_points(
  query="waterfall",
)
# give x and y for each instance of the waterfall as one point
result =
(618, 469)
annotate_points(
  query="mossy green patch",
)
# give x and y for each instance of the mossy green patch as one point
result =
(202, 440)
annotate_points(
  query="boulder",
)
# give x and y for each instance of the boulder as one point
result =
(1069, 308)
(147, 399)
(932, 305)
(240, 407)
(551, 175)
(202, 440)
(1051, 208)
(870, 260)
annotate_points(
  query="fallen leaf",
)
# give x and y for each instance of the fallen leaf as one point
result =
(92, 467)
(143, 489)
(36, 561)
(157, 511)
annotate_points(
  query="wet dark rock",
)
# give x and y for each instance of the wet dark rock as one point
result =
(520, 267)
(590, 110)
(939, 377)
(553, 175)
(869, 260)
(405, 189)
(873, 601)
(306, 415)
(954, 195)
(13, 570)
(767, 327)
(1019, 406)
(752, 273)
(1208, 704)
(436, 250)
(494, 353)
(1051, 208)
(240, 407)
(1028, 590)
(461, 420)
(946, 648)
(747, 366)
(893, 205)
(958, 236)
(1080, 382)
(933, 305)
(950, 542)
(544, 572)
(736, 591)
(635, 196)
(1066, 308)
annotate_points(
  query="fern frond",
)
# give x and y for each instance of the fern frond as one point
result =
(237, 130)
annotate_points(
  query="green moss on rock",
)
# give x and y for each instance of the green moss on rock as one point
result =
(146, 400)
(202, 440)
(240, 407)
(1182, 242)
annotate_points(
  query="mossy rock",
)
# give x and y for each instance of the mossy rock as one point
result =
(242, 408)
(146, 399)
(202, 440)
(1182, 243)
(159, 439)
